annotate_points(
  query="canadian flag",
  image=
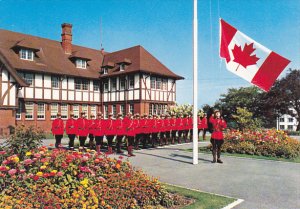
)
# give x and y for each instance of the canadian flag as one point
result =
(249, 59)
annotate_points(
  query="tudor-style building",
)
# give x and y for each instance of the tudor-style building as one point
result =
(40, 77)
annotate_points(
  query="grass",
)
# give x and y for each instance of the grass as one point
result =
(202, 200)
(295, 160)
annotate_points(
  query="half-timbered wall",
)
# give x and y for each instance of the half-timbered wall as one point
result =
(8, 89)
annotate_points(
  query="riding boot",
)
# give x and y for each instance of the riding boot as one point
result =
(109, 151)
(214, 155)
(219, 156)
(130, 154)
(98, 148)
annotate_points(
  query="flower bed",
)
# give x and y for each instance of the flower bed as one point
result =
(269, 143)
(64, 179)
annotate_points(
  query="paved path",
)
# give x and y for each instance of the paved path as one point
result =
(262, 184)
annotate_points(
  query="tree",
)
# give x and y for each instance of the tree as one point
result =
(284, 96)
(244, 120)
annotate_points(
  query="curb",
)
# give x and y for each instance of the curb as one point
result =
(231, 205)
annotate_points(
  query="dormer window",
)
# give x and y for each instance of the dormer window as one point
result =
(122, 67)
(105, 70)
(26, 54)
(80, 63)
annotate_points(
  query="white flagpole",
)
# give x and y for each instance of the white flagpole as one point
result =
(195, 82)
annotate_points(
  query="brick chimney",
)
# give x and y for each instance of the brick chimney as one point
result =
(66, 37)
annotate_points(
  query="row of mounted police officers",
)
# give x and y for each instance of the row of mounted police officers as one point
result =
(147, 130)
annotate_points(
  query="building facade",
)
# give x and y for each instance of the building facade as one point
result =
(40, 77)
(287, 122)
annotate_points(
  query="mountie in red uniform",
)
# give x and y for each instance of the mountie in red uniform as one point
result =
(82, 127)
(204, 123)
(199, 123)
(109, 127)
(71, 126)
(218, 126)
(58, 127)
(130, 136)
(99, 133)
(119, 126)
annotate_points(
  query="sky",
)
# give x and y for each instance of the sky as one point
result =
(165, 29)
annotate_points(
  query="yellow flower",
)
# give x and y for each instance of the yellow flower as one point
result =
(16, 159)
(39, 173)
(28, 153)
(85, 182)
(43, 167)
(46, 163)
(54, 171)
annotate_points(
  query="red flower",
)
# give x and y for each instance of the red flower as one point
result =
(2, 152)
(35, 177)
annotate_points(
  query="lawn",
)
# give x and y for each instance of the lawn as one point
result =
(203, 150)
(202, 200)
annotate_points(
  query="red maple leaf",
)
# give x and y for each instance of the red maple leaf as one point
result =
(243, 56)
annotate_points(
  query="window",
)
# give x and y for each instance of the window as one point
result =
(122, 67)
(281, 119)
(131, 81)
(291, 120)
(290, 127)
(76, 110)
(94, 110)
(154, 108)
(55, 82)
(122, 109)
(153, 80)
(77, 84)
(105, 111)
(281, 127)
(81, 63)
(28, 77)
(113, 84)
(26, 54)
(19, 111)
(40, 111)
(165, 84)
(131, 108)
(158, 83)
(84, 108)
(29, 110)
(151, 109)
(122, 83)
(105, 70)
(105, 85)
(85, 84)
(96, 85)
(81, 84)
(114, 110)
(54, 110)
(64, 111)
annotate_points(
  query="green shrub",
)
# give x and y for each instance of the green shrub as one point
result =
(23, 140)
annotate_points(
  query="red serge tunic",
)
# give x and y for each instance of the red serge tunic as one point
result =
(199, 123)
(109, 127)
(218, 126)
(186, 123)
(190, 122)
(204, 123)
(82, 127)
(144, 125)
(167, 125)
(137, 126)
(99, 127)
(154, 126)
(119, 124)
(179, 124)
(161, 125)
(173, 124)
(91, 126)
(130, 127)
(58, 127)
(71, 126)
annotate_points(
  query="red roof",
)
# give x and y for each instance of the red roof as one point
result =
(50, 58)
